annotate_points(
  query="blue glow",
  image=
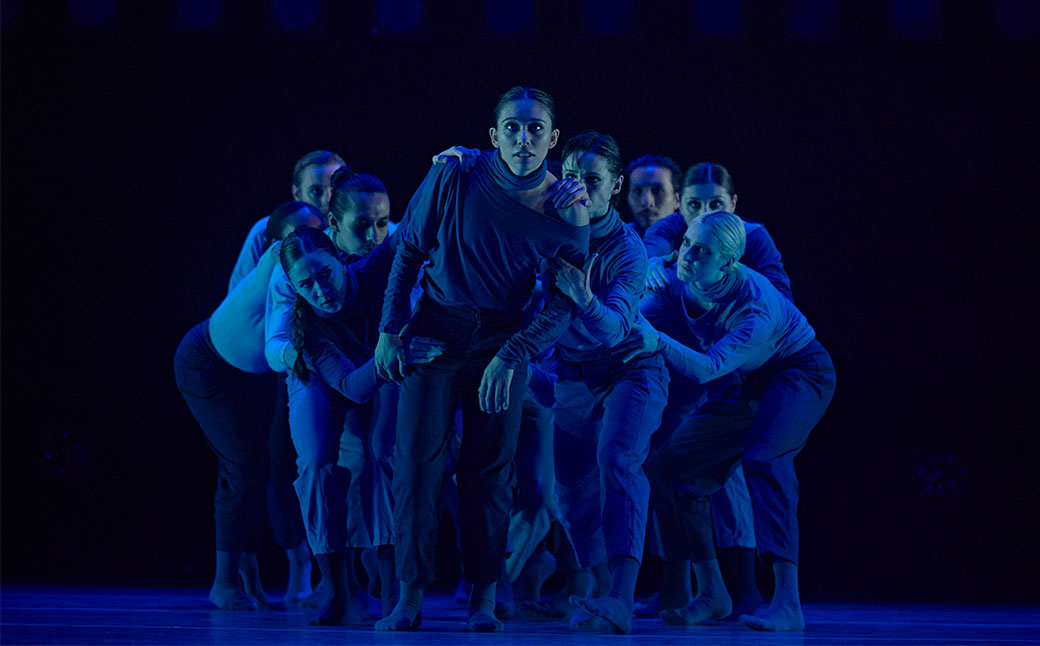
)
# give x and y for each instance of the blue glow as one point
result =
(399, 16)
(720, 18)
(1019, 19)
(609, 17)
(813, 19)
(509, 17)
(296, 15)
(200, 14)
(92, 13)
(915, 19)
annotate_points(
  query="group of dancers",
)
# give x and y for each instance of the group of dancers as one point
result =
(579, 391)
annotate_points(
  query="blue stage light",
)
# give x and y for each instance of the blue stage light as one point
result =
(399, 16)
(609, 17)
(92, 13)
(813, 19)
(200, 14)
(915, 19)
(296, 15)
(509, 17)
(718, 18)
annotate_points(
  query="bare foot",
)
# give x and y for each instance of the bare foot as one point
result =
(482, 621)
(251, 581)
(776, 617)
(403, 617)
(229, 597)
(702, 609)
(505, 602)
(319, 598)
(333, 613)
(581, 620)
(364, 607)
(616, 614)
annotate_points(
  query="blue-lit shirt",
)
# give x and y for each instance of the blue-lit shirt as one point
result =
(483, 249)
(751, 324)
(237, 325)
(617, 280)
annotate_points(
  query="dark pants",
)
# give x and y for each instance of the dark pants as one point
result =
(424, 426)
(234, 409)
(606, 412)
(762, 423)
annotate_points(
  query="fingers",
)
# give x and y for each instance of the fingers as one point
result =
(567, 192)
(423, 349)
(670, 258)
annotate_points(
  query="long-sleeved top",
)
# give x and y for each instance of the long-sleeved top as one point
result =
(236, 327)
(252, 249)
(749, 325)
(760, 252)
(483, 249)
(338, 347)
(617, 280)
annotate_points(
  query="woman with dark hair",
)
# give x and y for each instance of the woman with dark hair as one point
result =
(331, 387)
(606, 410)
(770, 380)
(222, 374)
(484, 233)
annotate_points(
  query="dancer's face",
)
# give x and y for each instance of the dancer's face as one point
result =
(524, 135)
(700, 199)
(319, 277)
(593, 172)
(364, 225)
(700, 261)
(651, 194)
(315, 187)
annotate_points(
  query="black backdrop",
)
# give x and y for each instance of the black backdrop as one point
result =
(894, 175)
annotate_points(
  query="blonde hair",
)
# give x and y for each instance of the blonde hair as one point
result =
(728, 229)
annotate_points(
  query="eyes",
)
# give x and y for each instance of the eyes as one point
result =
(589, 180)
(323, 276)
(713, 204)
(515, 126)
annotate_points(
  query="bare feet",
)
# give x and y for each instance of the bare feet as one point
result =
(581, 620)
(319, 598)
(333, 613)
(251, 581)
(299, 587)
(482, 621)
(617, 614)
(702, 609)
(777, 616)
(229, 597)
(403, 617)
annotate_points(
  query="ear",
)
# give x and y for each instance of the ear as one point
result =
(554, 137)
(494, 137)
(332, 220)
(617, 185)
(295, 192)
(734, 203)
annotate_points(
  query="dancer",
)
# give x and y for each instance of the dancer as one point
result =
(484, 233)
(725, 324)
(222, 374)
(653, 190)
(358, 210)
(335, 316)
(311, 184)
(709, 187)
(606, 410)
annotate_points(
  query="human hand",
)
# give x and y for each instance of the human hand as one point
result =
(493, 393)
(574, 282)
(656, 277)
(645, 338)
(467, 156)
(390, 357)
(422, 349)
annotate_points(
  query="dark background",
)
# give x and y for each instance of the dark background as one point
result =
(894, 167)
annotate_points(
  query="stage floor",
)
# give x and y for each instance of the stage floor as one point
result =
(50, 615)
